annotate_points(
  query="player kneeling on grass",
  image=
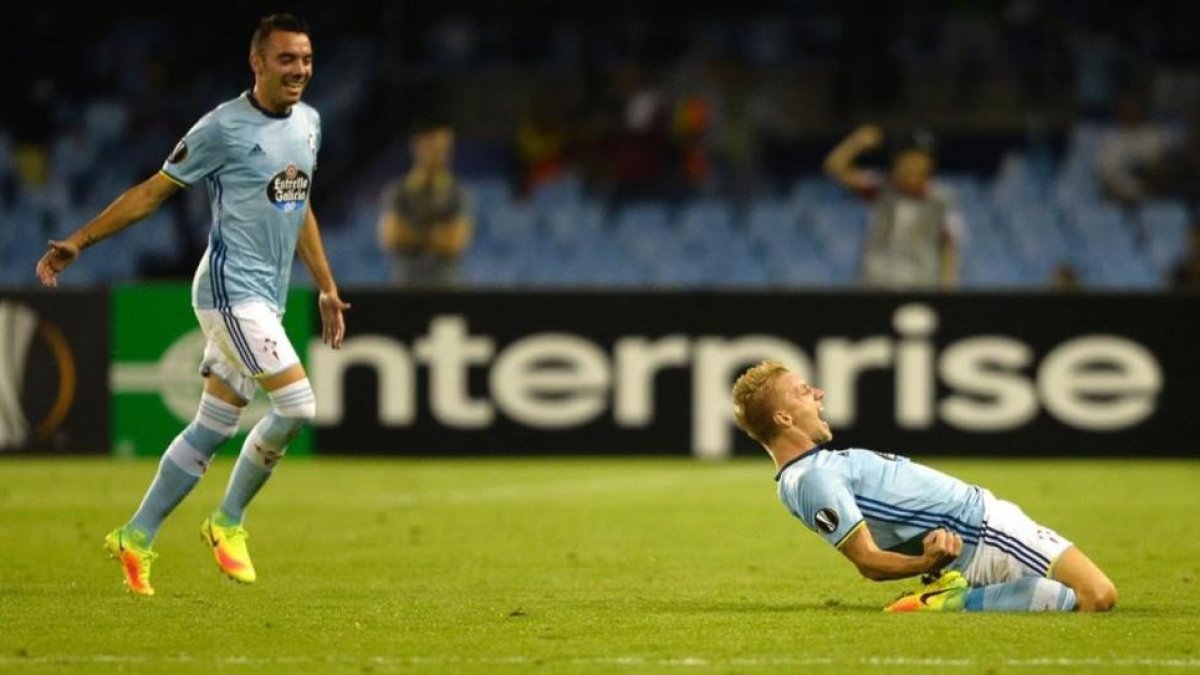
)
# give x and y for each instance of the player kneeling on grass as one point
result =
(894, 518)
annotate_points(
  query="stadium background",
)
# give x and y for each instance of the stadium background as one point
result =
(636, 149)
(650, 217)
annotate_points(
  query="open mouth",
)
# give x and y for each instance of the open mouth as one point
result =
(293, 87)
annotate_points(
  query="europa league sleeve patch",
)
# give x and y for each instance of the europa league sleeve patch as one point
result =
(179, 154)
(827, 520)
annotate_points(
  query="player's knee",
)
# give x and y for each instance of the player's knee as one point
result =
(216, 422)
(1096, 597)
(295, 402)
(292, 407)
(280, 430)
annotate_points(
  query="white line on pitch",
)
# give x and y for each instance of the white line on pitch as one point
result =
(632, 661)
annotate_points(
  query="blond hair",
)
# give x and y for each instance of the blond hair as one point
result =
(752, 401)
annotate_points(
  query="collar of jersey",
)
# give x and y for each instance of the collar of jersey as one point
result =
(258, 106)
(797, 458)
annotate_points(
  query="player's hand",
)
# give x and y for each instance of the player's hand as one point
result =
(333, 325)
(941, 548)
(54, 261)
(867, 137)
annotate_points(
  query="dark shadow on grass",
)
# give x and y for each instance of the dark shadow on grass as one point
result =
(837, 607)
(748, 607)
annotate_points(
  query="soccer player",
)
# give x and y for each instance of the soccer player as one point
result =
(256, 153)
(914, 227)
(894, 518)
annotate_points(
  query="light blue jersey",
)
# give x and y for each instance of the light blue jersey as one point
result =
(835, 492)
(258, 166)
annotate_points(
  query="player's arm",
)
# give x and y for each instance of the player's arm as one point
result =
(133, 205)
(953, 231)
(839, 164)
(940, 548)
(312, 252)
(396, 233)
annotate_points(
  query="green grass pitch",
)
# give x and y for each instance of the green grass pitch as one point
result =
(562, 565)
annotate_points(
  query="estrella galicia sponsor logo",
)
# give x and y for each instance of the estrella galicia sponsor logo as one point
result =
(827, 520)
(179, 154)
(288, 189)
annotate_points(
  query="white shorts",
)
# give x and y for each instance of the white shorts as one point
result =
(1011, 545)
(245, 344)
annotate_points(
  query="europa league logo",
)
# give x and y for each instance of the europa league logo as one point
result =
(22, 333)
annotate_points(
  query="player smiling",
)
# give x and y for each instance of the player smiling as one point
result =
(894, 518)
(256, 153)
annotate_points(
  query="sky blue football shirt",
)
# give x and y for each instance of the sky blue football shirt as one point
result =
(835, 492)
(258, 166)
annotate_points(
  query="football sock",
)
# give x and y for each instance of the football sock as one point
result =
(184, 462)
(1027, 594)
(294, 405)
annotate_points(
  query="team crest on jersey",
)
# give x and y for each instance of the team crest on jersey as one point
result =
(288, 189)
(179, 154)
(827, 520)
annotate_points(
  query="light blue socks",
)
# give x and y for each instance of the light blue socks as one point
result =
(1027, 594)
(184, 462)
(293, 406)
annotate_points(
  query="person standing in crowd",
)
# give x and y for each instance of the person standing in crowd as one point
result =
(915, 228)
(425, 222)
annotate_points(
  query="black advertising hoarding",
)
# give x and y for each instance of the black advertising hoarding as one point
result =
(649, 373)
(53, 372)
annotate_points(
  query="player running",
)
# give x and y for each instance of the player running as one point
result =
(894, 518)
(256, 154)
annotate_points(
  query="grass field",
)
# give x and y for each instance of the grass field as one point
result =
(564, 566)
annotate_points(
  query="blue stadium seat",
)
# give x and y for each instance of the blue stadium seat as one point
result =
(1039, 239)
(1165, 225)
(575, 227)
(157, 236)
(1100, 224)
(700, 217)
(1015, 182)
(644, 230)
(840, 228)
(608, 265)
(488, 193)
(483, 269)
(984, 267)
(509, 226)
(767, 218)
(819, 189)
(964, 187)
(564, 191)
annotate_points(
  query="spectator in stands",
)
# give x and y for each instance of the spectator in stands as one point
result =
(1182, 175)
(1065, 278)
(541, 145)
(1186, 274)
(639, 150)
(914, 230)
(33, 130)
(1131, 157)
(425, 222)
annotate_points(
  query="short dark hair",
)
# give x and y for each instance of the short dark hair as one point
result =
(916, 139)
(276, 22)
(425, 123)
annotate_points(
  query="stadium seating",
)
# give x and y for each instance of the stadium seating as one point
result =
(1022, 224)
